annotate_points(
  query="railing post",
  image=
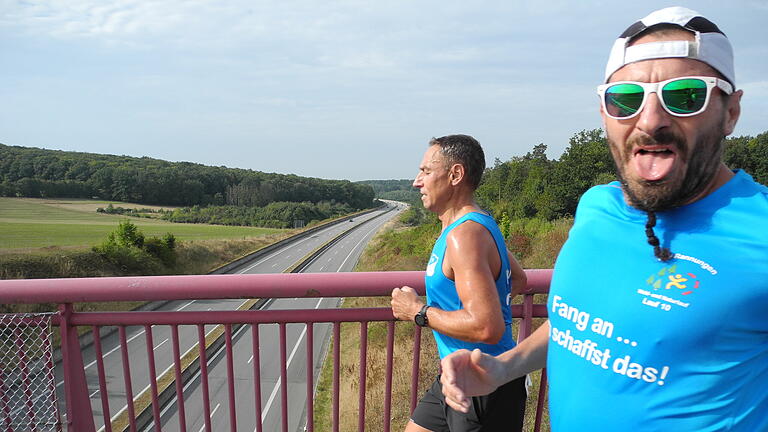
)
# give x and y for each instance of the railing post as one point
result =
(79, 414)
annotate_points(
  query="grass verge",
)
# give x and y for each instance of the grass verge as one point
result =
(349, 383)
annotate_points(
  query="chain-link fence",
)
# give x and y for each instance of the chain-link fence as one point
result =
(27, 386)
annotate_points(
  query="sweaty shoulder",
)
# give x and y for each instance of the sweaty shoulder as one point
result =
(470, 231)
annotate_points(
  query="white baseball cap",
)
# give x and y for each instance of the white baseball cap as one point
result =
(710, 45)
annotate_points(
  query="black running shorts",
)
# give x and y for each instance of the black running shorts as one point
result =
(502, 410)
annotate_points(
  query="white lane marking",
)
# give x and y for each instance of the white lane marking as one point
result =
(212, 413)
(166, 370)
(345, 260)
(355, 247)
(189, 303)
(158, 345)
(272, 255)
(185, 305)
(127, 341)
(189, 382)
(288, 365)
(250, 359)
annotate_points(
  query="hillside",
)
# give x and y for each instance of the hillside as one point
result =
(41, 173)
(397, 190)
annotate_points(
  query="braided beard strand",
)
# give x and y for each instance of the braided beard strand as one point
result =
(663, 254)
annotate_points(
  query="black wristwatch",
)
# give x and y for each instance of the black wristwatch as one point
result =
(421, 319)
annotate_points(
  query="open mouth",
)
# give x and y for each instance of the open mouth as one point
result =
(653, 163)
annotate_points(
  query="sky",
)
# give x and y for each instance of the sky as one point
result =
(332, 89)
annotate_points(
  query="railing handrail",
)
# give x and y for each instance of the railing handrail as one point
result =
(302, 316)
(152, 288)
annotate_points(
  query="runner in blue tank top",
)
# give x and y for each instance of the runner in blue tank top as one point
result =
(470, 279)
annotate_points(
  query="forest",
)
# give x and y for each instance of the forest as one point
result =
(534, 186)
(397, 190)
(40, 173)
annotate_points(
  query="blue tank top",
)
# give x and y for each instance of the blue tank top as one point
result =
(441, 291)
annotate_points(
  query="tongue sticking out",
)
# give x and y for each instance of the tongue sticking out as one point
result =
(653, 166)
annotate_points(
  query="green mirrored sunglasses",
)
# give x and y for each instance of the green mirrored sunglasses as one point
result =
(681, 97)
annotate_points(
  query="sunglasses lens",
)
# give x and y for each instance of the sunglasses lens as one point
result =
(685, 96)
(623, 100)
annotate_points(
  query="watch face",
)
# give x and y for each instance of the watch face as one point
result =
(420, 319)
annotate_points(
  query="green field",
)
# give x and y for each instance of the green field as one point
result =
(28, 223)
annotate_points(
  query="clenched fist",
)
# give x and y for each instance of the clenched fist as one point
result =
(405, 303)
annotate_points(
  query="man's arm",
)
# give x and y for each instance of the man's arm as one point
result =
(470, 250)
(519, 279)
(473, 373)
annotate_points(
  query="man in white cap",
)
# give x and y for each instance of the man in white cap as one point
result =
(673, 338)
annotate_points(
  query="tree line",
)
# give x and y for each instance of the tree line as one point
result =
(396, 190)
(534, 186)
(273, 215)
(37, 173)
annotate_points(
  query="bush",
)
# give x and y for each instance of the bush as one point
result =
(128, 259)
(162, 248)
(127, 248)
(169, 240)
(412, 216)
(127, 234)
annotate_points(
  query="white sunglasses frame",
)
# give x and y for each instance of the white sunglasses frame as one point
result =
(654, 87)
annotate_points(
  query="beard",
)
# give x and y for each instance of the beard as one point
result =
(704, 158)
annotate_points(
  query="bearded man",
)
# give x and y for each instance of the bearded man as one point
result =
(672, 337)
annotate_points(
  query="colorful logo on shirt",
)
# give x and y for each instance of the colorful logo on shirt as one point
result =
(431, 264)
(672, 286)
(668, 278)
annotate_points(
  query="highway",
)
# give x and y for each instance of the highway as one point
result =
(341, 256)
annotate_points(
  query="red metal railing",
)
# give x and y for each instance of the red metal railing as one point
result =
(79, 404)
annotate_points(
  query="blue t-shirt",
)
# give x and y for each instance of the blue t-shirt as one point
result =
(637, 344)
(441, 291)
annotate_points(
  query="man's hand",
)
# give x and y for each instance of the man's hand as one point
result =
(405, 303)
(469, 373)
